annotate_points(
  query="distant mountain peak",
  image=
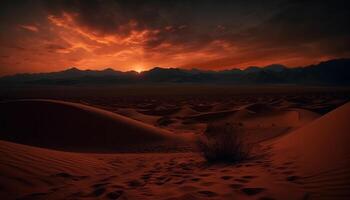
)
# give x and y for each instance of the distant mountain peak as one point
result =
(72, 69)
(109, 70)
(332, 72)
(275, 67)
(252, 69)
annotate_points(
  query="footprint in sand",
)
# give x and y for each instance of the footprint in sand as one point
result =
(236, 186)
(186, 168)
(98, 192)
(55, 189)
(32, 196)
(205, 175)
(207, 183)
(69, 176)
(146, 177)
(249, 177)
(242, 180)
(226, 177)
(195, 179)
(98, 185)
(176, 175)
(186, 176)
(252, 191)
(180, 182)
(161, 177)
(207, 193)
(118, 186)
(135, 183)
(63, 175)
(188, 188)
(292, 178)
(115, 195)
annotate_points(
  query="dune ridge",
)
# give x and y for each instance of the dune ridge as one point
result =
(305, 157)
(76, 127)
(320, 154)
(28, 172)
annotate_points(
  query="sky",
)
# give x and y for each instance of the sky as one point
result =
(53, 35)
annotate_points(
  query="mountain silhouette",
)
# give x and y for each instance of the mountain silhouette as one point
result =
(329, 73)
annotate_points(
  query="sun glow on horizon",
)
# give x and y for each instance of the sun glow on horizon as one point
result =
(138, 69)
(138, 36)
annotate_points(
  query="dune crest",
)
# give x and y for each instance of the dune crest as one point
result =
(76, 127)
(320, 154)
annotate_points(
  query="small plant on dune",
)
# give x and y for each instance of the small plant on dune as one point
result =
(224, 143)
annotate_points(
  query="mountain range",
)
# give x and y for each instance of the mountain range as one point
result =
(329, 73)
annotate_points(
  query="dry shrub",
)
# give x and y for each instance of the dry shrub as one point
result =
(224, 143)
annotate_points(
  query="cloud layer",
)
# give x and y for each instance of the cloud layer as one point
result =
(128, 35)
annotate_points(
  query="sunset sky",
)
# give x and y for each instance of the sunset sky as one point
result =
(42, 36)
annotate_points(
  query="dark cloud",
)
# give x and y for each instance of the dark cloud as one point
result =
(271, 22)
(305, 26)
(108, 17)
(306, 21)
(200, 18)
(241, 31)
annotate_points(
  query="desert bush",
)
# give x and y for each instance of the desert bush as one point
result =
(224, 143)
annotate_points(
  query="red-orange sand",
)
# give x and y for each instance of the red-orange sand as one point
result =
(301, 155)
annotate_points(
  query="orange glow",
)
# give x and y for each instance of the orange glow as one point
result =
(63, 42)
(138, 69)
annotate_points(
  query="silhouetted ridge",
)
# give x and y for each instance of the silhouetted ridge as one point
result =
(332, 72)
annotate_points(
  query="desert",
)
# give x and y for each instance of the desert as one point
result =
(174, 100)
(113, 148)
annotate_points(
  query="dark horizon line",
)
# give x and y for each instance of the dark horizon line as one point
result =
(185, 69)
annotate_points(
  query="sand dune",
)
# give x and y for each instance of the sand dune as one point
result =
(259, 107)
(75, 127)
(210, 116)
(132, 113)
(34, 173)
(184, 111)
(160, 110)
(220, 106)
(30, 170)
(258, 125)
(310, 162)
(320, 155)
